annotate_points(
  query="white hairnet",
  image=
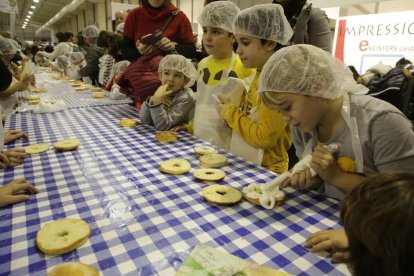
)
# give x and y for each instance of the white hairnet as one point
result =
(76, 57)
(219, 14)
(7, 47)
(62, 61)
(120, 66)
(120, 28)
(90, 31)
(180, 64)
(266, 21)
(307, 70)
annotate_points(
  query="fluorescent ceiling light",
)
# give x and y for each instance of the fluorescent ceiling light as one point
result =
(30, 12)
(33, 7)
(36, 1)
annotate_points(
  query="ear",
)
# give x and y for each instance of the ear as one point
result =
(186, 80)
(270, 45)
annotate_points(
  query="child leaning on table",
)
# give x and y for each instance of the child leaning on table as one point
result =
(377, 217)
(317, 95)
(112, 86)
(173, 102)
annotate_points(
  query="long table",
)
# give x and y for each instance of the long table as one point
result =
(144, 222)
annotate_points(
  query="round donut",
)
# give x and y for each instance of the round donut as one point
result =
(213, 160)
(209, 174)
(33, 102)
(98, 95)
(221, 195)
(37, 148)
(62, 236)
(175, 166)
(38, 90)
(73, 268)
(257, 192)
(66, 145)
(166, 136)
(95, 89)
(124, 122)
(202, 150)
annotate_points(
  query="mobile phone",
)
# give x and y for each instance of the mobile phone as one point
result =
(153, 38)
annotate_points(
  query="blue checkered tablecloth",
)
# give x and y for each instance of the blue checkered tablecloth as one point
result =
(73, 99)
(144, 222)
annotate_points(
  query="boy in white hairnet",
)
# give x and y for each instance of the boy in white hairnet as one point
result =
(317, 95)
(222, 63)
(76, 62)
(260, 135)
(112, 86)
(173, 102)
(93, 53)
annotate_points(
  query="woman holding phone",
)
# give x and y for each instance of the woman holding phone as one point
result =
(146, 20)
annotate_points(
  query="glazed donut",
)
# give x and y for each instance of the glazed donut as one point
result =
(213, 160)
(175, 166)
(125, 122)
(209, 174)
(73, 268)
(98, 95)
(38, 90)
(37, 148)
(95, 89)
(202, 150)
(62, 236)
(221, 195)
(166, 136)
(66, 145)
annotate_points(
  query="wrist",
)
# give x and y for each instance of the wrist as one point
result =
(153, 101)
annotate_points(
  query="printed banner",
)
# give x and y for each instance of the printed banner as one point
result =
(367, 40)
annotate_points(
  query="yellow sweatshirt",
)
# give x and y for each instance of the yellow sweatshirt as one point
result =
(270, 133)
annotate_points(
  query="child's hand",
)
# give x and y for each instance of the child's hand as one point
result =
(179, 128)
(330, 240)
(166, 102)
(165, 45)
(325, 165)
(144, 49)
(15, 156)
(220, 102)
(12, 135)
(4, 162)
(160, 94)
(303, 180)
(9, 193)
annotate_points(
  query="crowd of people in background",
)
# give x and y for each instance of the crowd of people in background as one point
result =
(293, 99)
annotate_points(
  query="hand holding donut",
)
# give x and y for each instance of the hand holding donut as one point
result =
(9, 193)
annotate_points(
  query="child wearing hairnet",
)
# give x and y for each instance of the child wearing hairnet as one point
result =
(317, 95)
(76, 63)
(173, 102)
(216, 19)
(112, 86)
(260, 135)
(93, 53)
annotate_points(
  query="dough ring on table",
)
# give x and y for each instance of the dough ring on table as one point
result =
(125, 122)
(73, 268)
(67, 144)
(38, 90)
(62, 236)
(95, 89)
(221, 195)
(202, 150)
(256, 201)
(213, 160)
(98, 95)
(175, 166)
(209, 174)
(166, 136)
(37, 148)
(33, 102)
(80, 88)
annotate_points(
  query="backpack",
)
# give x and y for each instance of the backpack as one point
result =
(395, 87)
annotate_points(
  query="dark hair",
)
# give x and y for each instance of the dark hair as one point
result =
(206, 2)
(293, 8)
(61, 37)
(81, 40)
(145, 4)
(103, 39)
(402, 62)
(278, 45)
(378, 218)
(115, 45)
(68, 35)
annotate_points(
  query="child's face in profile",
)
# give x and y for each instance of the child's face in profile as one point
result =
(118, 74)
(303, 112)
(174, 80)
(218, 42)
(252, 52)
